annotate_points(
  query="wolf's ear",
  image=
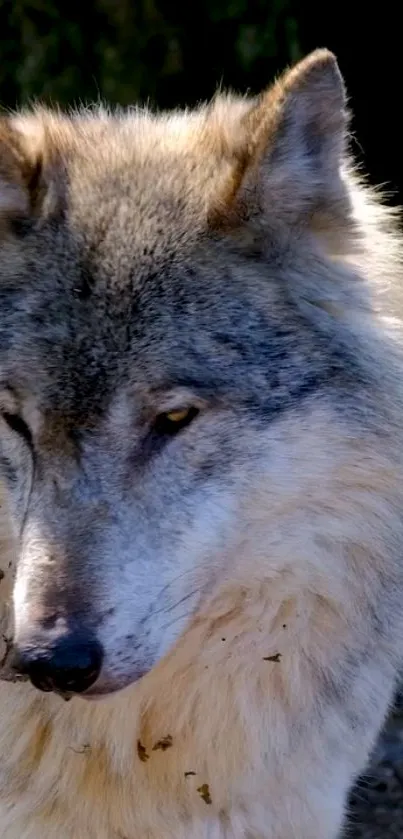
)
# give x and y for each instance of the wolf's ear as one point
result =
(22, 162)
(290, 143)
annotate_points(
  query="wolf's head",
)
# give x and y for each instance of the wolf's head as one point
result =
(172, 356)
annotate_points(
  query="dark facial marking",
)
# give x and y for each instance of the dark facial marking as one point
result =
(7, 470)
(19, 427)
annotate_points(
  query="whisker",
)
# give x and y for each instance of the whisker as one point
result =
(179, 602)
(175, 580)
(168, 609)
(177, 619)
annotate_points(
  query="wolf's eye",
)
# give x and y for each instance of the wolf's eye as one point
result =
(173, 421)
(18, 426)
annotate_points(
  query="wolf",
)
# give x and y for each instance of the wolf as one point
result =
(201, 454)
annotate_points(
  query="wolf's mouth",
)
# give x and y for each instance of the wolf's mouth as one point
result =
(108, 685)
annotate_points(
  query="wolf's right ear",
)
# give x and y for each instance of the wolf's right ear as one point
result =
(22, 164)
(289, 144)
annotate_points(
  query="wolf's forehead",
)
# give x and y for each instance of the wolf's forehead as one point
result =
(136, 196)
(126, 217)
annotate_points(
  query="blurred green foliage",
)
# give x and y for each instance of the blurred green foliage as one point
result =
(165, 51)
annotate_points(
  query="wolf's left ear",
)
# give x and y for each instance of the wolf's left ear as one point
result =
(291, 142)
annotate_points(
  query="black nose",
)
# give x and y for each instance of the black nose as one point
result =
(68, 664)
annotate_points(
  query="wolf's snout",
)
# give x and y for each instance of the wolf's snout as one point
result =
(70, 663)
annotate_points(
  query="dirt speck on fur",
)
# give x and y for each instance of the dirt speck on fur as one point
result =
(143, 756)
(82, 750)
(204, 792)
(163, 744)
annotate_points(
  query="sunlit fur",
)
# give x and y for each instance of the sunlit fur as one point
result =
(256, 718)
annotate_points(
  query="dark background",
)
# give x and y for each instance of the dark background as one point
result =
(175, 52)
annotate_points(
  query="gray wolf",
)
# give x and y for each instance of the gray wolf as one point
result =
(202, 467)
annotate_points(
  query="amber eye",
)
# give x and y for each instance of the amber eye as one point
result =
(173, 421)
